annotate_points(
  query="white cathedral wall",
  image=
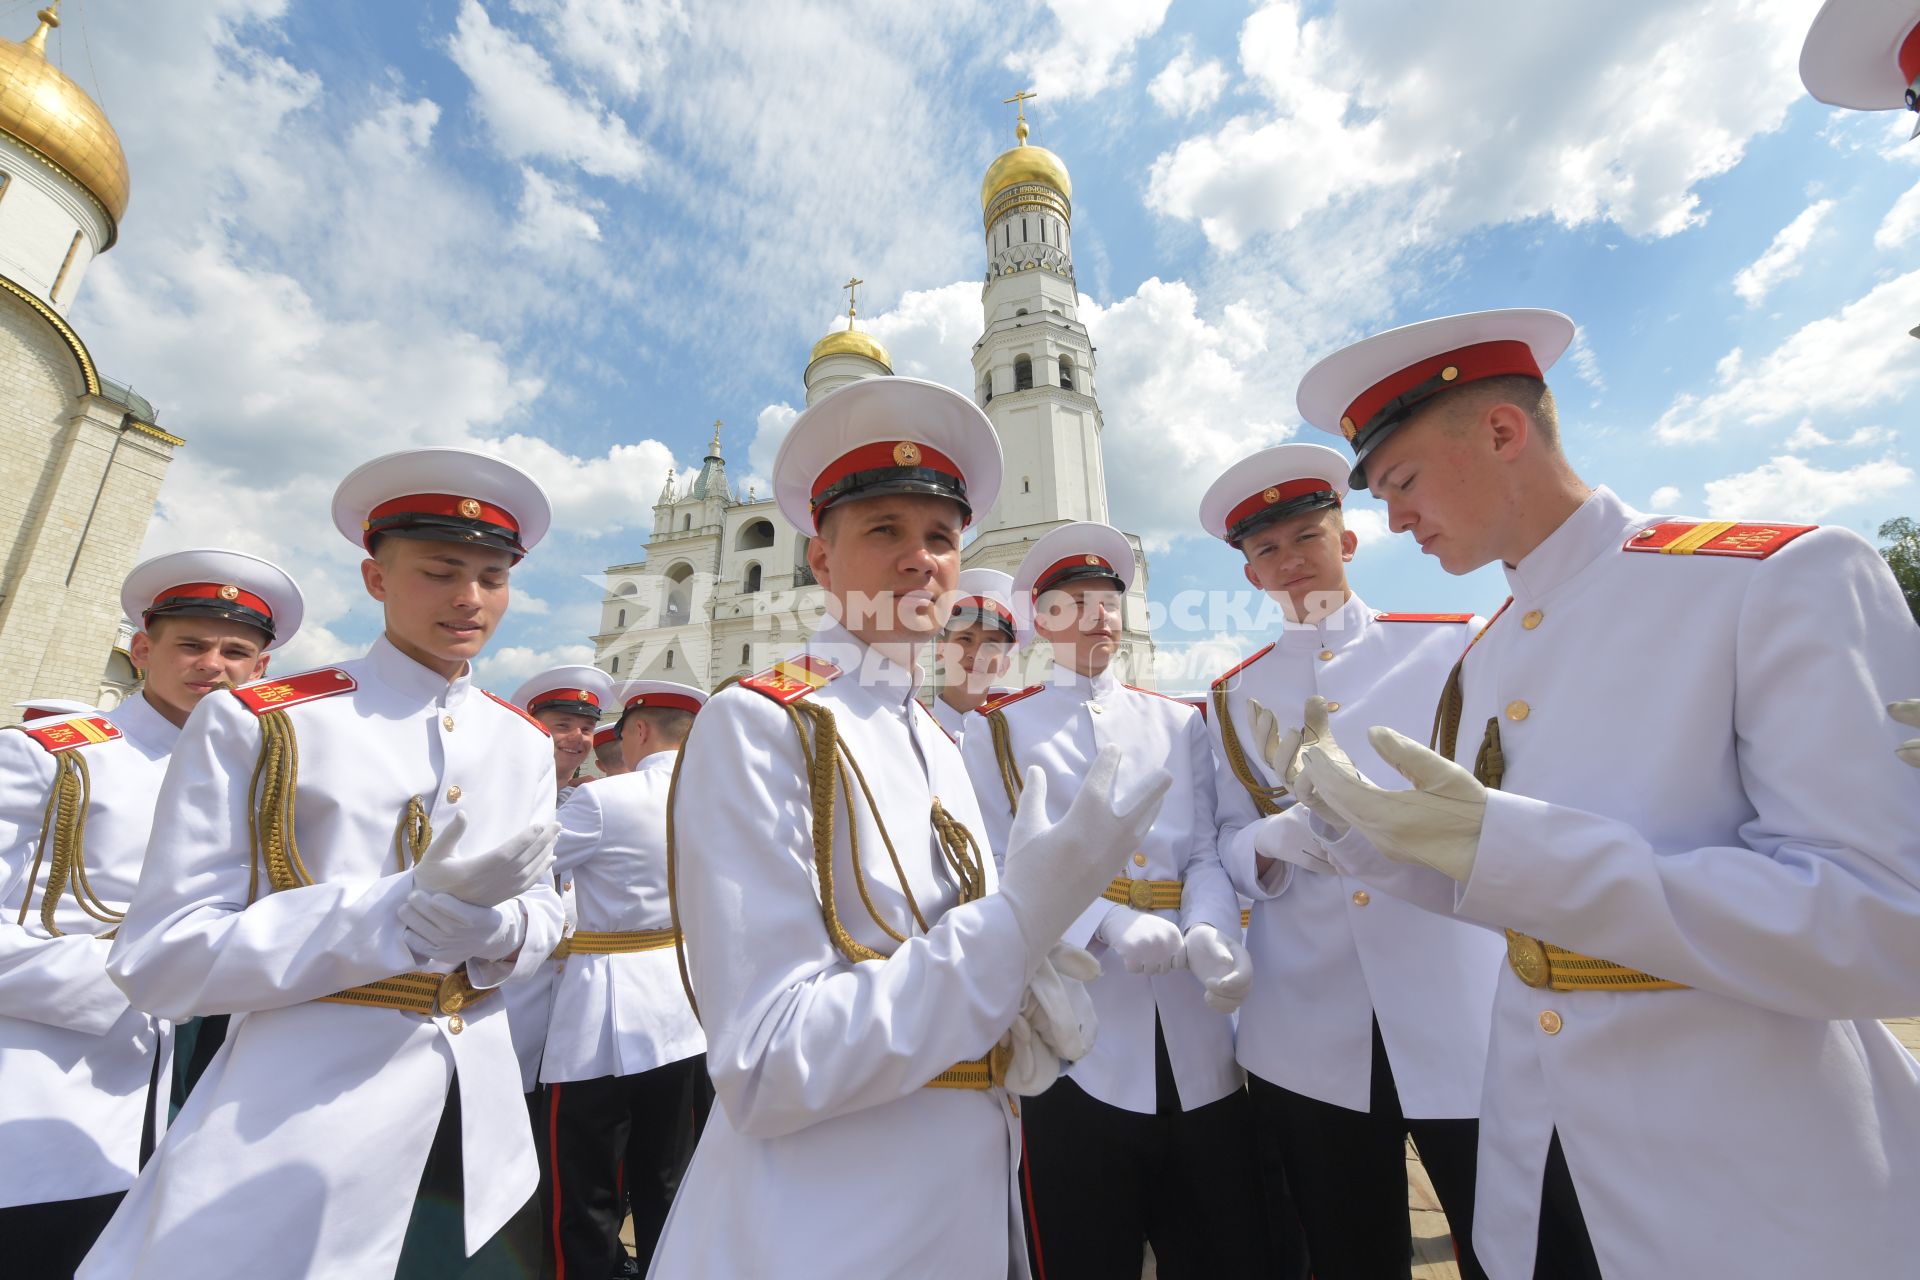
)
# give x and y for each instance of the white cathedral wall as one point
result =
(40, 209)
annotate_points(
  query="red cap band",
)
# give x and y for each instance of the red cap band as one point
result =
(884, 455)
(1059, 567)
(1274, 496)
(606, 734)
(440, 504)
(552, 696)
(1910, 55)
(224, 593)
(663, 702)
(986, 604)
(1469, 364)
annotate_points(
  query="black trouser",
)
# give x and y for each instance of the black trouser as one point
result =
(47, 1241)
(1347, 1172)
(1100, 1182)
(1564, 1252)
(619, 1140)
(435, 1248)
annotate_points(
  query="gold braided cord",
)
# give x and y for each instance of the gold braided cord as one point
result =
(962, 852)
(822, 755)
(270, 828)
(886, 841)
(412, 835)
(62, 842)
(1003, 752)
(1263, 796)
(673, 889)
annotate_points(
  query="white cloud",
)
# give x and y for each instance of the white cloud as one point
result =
(622, 43)
(1852, 360)
(507, 668)
(1789, 488)
(595, 495)
(1781, 260)
(526, 110)
(1091, 46)
(1486, 126)
(1186, 86)
(554, 219)
(1585, 362)
(1805, 437)
(1902, 222)
(1666, 498)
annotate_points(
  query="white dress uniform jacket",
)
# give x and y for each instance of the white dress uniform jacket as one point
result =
(619, 1015)
(1700, 784)
(75, 1058)
(827, 1155)
(1061, 728)
(1329, 955)
(300, 1149)
(954, 722)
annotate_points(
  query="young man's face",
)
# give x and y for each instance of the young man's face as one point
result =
(443, 600)
(1302, 557)
(1082, 620)
(974, 656)
(186, 658)
(572, 738)
(1437, 476)
(887, 561)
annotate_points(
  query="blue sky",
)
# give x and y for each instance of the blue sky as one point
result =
(578, 231)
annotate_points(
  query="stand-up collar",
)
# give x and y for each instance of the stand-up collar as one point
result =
(887, 681)
(656, 762)
(1597, 526)
(405, 676)
(1091, 687)
(1341, 627)
(141, 721)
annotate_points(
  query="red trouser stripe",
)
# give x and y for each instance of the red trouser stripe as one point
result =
(1033, 1220)
(553, 1173)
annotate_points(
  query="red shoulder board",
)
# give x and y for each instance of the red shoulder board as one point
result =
(1715, 538)
(1008, 699)
(1155, 693)
(520, 711)
(1423, 617)
(263, 696)
(1240, 666)
(789, 681)
(67, 734)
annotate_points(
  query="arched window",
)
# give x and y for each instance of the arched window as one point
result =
(1023, 373)
(753, 535)
(614, 668)
(679, 594)
(746, 655)
(1066, 372)
(686, 522)
(753, 577)
(620, 619)
(1026, 484)
(669, 659)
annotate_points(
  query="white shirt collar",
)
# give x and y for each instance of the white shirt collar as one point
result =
(1597, 526)
(1094, 687)
(887, 681)
(1341, 626)
(404, 675)
(142, 721)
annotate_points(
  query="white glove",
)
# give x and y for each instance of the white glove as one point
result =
(1317, 735)
(1907, 713)
(1033, 1066)
(1280, 750)
(1287, 839)
(1145, 943)
(444, 928)
(1057, 1005)
(486, 879)
(1437, 824)
(1055, 871)
(1222, 965)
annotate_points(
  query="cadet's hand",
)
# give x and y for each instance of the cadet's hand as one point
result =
(1280, 750)
(491, 877)
(1317, 735)
(1222, 965)
(1437, 824)
(446, 929)
(1907, 713)
(1278, 838)
(1145, 943)
(1033, 1066)
(1054, 872)
(1057, 1006)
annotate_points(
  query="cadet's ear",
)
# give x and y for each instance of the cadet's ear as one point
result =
(260, 666)
(373, 575)
(817, 558)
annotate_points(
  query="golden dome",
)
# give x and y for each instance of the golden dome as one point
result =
(1024, 163)
(851, 342)
(52, 116)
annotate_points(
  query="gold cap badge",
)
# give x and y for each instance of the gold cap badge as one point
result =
(906, 454)
(1271, 496)
(469, 508)
(1092, 559)
(229, 592)
(1347, 428)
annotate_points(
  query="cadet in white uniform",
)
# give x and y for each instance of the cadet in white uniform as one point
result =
(1146, 1138)
(625, 1061)
(976, 647)
(607, 751)
(77, 790)
(1368, 1016)
(853, 956)
(348, 861)
(1685, 808)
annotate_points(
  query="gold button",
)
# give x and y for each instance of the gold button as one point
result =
(567, 887)
(1361, 897)
(1326, 655)
(1550, 1022)
(453, 794)
(1139, 859)
(1532, 619)
(1095, 707)
(1333, 706)
(1518, 710)
(1013, 1105)
(456, 1024)
(446, 722)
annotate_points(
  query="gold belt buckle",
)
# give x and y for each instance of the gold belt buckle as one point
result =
(1527, 957)
(455, 993)
(1140, 895)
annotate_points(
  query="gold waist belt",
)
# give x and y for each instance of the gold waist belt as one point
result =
(587, 943)
(1144, 895)
(416, 992)
(1541, 964)
(989, 1072)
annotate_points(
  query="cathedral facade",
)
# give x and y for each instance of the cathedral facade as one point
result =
(84, 458)
(724, 588)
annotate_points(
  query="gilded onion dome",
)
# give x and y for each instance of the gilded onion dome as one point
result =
(1024, 163)
(50, 115)
(851, 342)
